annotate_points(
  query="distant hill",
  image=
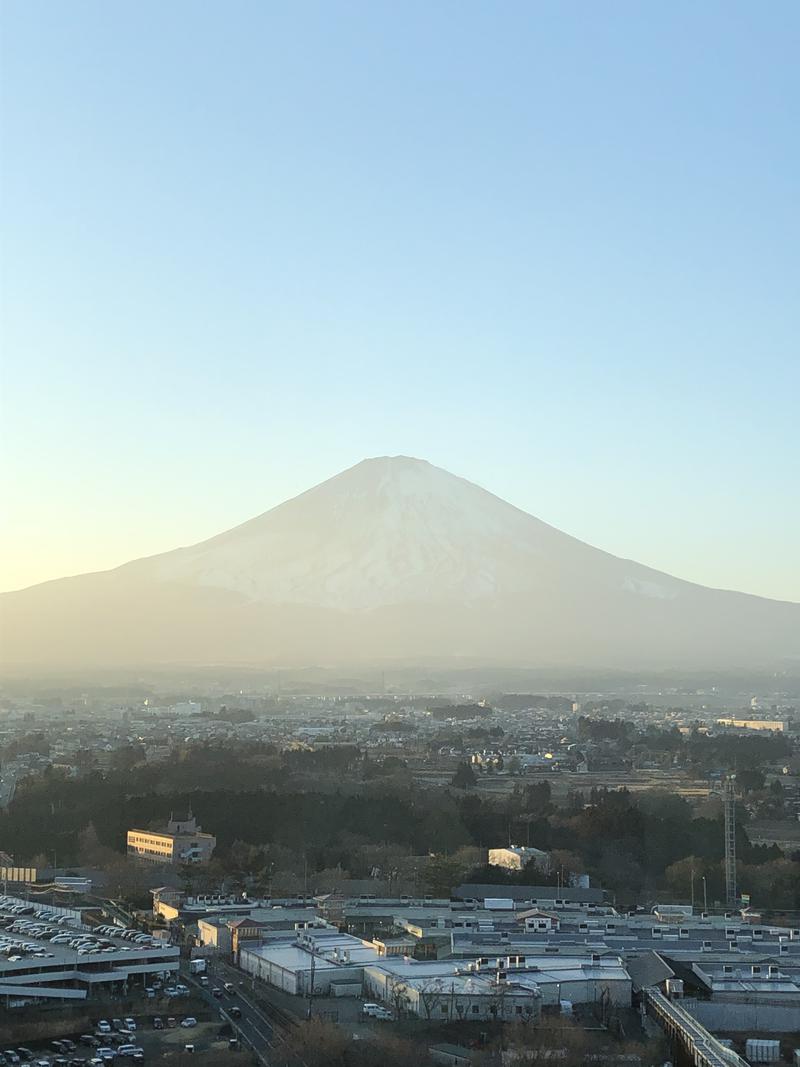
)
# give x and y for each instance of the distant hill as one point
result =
(392, 561)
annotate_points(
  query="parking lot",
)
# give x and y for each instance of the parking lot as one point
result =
(57, 957)
(125, 1042)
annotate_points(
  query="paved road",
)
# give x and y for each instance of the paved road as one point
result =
(254, 1028)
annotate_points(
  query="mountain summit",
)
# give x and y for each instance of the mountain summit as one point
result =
(391, 560)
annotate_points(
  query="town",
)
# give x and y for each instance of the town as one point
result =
(456, 878)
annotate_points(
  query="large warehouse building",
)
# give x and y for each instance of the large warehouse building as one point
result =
(505, 986)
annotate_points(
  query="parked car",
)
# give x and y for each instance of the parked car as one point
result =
(216, 992)
(130, 1024)
(189, 1021)
(171, 1021)
(376, 1011)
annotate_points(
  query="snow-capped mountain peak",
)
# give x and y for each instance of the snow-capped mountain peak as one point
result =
(390, 530)
(393, 559)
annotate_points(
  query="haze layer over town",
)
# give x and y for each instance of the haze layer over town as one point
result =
(400, 611)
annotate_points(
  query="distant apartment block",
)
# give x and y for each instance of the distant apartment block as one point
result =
(182, 841)
(517, 858)
(780, 725)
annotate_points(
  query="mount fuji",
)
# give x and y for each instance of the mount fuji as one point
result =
(393, 560)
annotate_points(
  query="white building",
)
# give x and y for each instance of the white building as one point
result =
(325, 963)
(515, 986)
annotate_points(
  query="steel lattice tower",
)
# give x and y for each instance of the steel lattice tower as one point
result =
(731, 895)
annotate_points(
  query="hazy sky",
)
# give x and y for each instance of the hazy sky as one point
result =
(552, 247)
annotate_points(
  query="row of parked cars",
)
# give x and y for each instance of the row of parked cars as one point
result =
(113, 1038)
(101, 1056)
(17, 928)
(13, 906)
(136, 937)
(84, 944)
(110, 1040)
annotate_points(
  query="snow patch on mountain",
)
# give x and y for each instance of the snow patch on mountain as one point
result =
(651, 589)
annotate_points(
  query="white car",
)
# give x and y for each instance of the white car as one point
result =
(189, 1022)
(130, 1024)
(376, 1011)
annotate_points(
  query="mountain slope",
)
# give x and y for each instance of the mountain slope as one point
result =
(391, 560)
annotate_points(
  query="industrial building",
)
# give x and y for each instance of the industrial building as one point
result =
(478, 956)
(504, 986)
(227, 934)
(319, 962)
(561, 898)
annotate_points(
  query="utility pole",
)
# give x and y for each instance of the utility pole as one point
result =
(731, 895)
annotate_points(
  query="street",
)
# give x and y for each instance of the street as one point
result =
(253, 1028)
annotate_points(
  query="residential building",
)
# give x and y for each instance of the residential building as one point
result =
(182, 841)
(777, 725)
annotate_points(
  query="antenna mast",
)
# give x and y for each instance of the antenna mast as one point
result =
(729, 794)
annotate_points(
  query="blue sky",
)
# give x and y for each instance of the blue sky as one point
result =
(551, 247)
